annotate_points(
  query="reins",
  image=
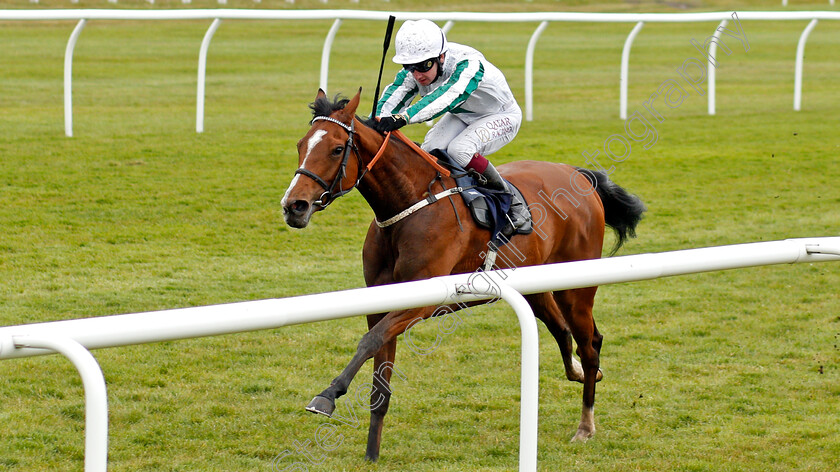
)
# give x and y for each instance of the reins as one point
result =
(442, 171)
(330, 193)
(425, 155)
(329, 189)
(379, 153)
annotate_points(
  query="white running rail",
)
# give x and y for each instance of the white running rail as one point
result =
(73, 337)
(542, 18)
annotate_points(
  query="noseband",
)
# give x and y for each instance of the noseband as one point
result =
(330, 192)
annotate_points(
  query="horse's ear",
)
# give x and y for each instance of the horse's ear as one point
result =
(350, 109)
(321, 94)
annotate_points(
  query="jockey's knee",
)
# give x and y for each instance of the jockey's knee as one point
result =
(460, 153)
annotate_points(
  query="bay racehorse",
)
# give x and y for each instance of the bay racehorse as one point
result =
(570, 208)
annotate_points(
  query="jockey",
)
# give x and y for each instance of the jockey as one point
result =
(478, 112)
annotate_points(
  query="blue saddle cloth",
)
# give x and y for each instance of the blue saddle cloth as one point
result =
(489, 208)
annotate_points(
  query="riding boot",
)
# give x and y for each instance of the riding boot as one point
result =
(519, 215)
(494, 180)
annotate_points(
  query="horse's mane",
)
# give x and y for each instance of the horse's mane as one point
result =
(323, 106)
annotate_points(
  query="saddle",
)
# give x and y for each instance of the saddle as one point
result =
(490, 208)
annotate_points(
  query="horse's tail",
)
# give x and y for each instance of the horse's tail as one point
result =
(622, 209)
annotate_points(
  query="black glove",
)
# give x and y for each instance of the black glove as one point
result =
(391, 123)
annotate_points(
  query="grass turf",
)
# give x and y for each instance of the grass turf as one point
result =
(735, 370)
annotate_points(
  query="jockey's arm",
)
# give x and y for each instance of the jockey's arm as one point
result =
(450, 94)
(397, 96)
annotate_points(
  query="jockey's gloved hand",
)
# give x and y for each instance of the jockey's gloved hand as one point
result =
(391, 123)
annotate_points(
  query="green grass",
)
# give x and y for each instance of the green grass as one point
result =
(737, 370)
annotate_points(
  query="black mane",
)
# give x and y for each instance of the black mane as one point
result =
(322, 106)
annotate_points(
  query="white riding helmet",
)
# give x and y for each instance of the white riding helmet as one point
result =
(418, 41)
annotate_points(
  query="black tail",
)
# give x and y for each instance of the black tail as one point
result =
(622, 210)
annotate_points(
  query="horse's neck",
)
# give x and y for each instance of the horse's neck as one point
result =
(397, 180)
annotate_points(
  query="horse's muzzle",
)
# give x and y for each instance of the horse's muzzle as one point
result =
(297, 213)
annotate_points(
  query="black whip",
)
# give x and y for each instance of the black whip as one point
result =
(391, 20)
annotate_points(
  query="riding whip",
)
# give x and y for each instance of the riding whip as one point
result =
(385, 46)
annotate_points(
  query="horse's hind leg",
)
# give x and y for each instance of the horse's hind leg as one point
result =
(546, 310)
(576, 306)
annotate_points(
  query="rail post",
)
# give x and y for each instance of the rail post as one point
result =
(96, 393)
(202, 75)
(800, 58)
(625, 66)
(68, 77)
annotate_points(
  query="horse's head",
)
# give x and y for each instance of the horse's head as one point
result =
(323, 159)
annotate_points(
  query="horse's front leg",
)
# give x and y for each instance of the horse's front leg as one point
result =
(380, 397)
(391, 326)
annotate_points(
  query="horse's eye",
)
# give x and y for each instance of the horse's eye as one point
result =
(337, 151)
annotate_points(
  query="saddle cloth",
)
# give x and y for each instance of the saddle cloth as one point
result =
(489, 208)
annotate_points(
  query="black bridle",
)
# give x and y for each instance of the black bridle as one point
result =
(330, 192)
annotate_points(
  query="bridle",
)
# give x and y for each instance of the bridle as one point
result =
(330, 193)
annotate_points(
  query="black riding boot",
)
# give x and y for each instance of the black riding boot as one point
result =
(494, 180)
(518, 213)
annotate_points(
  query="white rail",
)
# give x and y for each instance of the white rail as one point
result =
(68, 337)
(712, 66)
(96, 394)
(202, 74)
(625, 66)
(68, 77)
(529, 70)
(800, 57)
(338, 15)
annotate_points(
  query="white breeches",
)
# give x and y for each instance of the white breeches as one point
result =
(484, 135)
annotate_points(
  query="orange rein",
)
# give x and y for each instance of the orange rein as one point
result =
(425, 155)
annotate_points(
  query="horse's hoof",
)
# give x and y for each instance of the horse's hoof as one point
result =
(321, 405)
(580, 378)
(582, 436)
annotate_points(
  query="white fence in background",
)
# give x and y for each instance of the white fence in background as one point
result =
(784, 2)
(224, 2)
(73, 338)
(543, 18)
